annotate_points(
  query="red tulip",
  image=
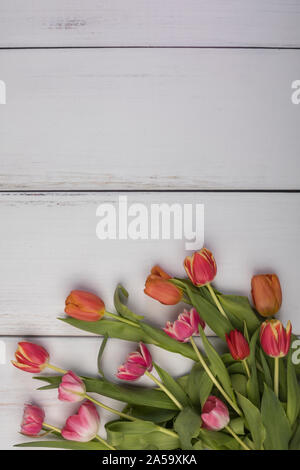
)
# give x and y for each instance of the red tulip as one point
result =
(186, 325)
(83, 426)
(201, 267)
(274, 339)
(136, 364)
(266, 294)
(31, 357)
(159, 287)
(215, 415)
(84, 306)
(32, 422)
(71, 388)
(238, 345)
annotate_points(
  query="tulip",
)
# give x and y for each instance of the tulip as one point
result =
(274, 339)
(31, 357)
(201, 267)
(238, 345)
(84, 306)
(32, 422)
(266, 294)
(83, 426)
(159, 287)
(186, 325)
(71, 388)
(215, 415)
(136, 365)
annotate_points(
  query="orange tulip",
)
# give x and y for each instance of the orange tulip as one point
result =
(201, 267)
(266, 294)
(160, 288)
(84, 306)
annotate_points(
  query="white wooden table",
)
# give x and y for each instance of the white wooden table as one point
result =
(176, 102)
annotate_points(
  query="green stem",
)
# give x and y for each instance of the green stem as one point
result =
(246, 367)
(104, 442)
(237, 438)
(276, 376)
(119, 318)
(164, 389)
(213, 379)
(217, 302)
(57, 369)
(52, 428)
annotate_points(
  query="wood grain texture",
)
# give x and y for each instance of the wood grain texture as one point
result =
(149, 119)
(79, 355)
(49, 247)
(267, 23)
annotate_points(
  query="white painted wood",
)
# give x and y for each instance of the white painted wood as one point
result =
(80, 355)
(149, 23)
(49, 247)
(146, 119)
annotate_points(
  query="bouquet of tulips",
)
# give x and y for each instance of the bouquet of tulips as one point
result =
(247, 398)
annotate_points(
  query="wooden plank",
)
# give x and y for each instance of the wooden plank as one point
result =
(80, 355)
(49, 247)
(149, 119)
(268, 23)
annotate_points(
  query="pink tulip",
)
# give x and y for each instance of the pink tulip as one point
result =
(71, 388)
(32, 422)
(201, 267)
(274, 339)
(136, 364)
(186, 325)
(84, 425)
(215, 415)
(30, 357)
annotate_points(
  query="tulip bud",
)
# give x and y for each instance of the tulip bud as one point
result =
(136, 364)
(32, 422)
(83, 426)
(266, 294)
(84, 306)
(71, 388)
(201, 267)
(30, 357)
(215, 415)
(274, 339)
(159, 287)
(238, 345)
(186, 325)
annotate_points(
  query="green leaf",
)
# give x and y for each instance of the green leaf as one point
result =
(199, 385)
(100, 354)
(121, 308)
(63, 444)
(111, 328)
(239, 383)
(267, 374)
(148, 413)
(295, 441)
(254, 421)
(293, 392)
(252, 385)
(239, 310)
(139, 435)
(172, 385)
(237, 425)
(282, 380)
(210, 314)
(218, 440)
(187, 425)
(134, 395)
(278, 429)
(159, 337)
(217, 365)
